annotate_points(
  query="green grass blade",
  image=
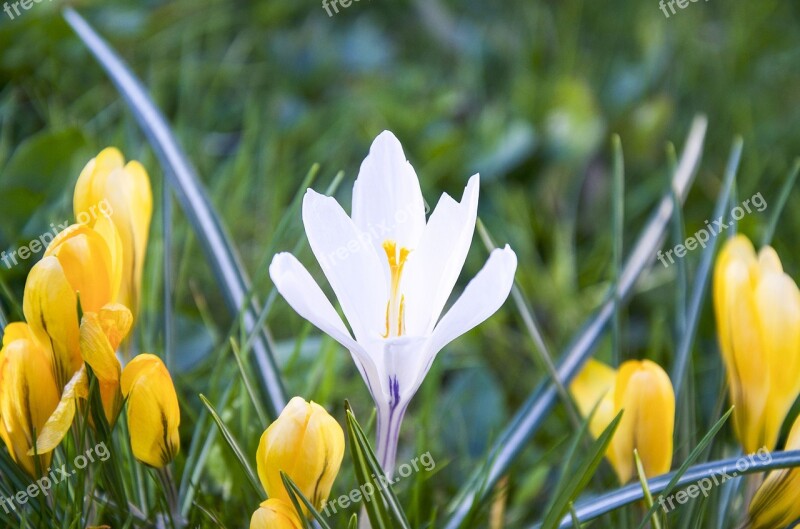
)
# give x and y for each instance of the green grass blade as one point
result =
(777, 209)
(581, 475)
(701, 280)
(191, 195)
(234, 446)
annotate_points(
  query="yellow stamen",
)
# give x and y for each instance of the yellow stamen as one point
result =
(395, 307)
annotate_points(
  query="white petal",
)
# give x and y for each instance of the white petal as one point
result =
(387, 200)
(349, 262)
(483, 296)
(433, 267)
(304, 295)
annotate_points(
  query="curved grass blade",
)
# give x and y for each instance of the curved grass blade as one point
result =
(192, 197)
(633, 493)
(234, 445)
(533, 412)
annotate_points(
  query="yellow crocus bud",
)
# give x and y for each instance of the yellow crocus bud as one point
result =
(775, 503)
(80, 262)
(28, 395)
(275, 514)
(307, 444)
(643, 391)
(109, 188)
(758, 322)
(153, 412)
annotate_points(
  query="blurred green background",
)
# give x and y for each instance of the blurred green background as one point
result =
(528, 93)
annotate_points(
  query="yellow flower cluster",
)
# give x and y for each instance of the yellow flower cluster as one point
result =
(80, 301)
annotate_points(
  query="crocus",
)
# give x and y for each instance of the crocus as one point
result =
(758, 321)
(100, 334)
(275, 514)
(305, 443)
(643, 391)
(28, 396)
(108, 187)
(153, 412)
(81, 262)
(393, 272)
(775, 503)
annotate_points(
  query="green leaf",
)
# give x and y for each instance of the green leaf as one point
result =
(234, 446)
(297, 497)
(384, 510)
(579, 478)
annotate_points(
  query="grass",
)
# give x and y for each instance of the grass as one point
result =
(529, 94)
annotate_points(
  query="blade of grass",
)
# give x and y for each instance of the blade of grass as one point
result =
(193, 198)
(617, 226)
(297, 495)
(234, 446)
(648, 497)
(580, 477)
(532, 413)
(777, 209)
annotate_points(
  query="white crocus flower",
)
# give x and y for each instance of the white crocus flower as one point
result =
(393, 273)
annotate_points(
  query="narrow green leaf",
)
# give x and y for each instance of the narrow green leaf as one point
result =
(234, 446)
(648, 498)
(777, 209)
(581, 476)
(297, 495)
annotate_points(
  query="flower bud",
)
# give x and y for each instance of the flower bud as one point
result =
(307, 444)
(110, 188)
(644, 391)
(28, 395)
(275, 514)
(758, 322)
(153, 412)
(775, 503)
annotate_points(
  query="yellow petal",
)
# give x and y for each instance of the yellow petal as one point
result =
(28, 397)
(593, 385)
(51, 308)
(153, 412)
(307, 444)
(275, 514)
(60, 421)
(87, 262)
(101, 333)
(778, 305)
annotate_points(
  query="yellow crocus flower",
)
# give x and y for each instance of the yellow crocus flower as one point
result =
(775, 503)
(307, 444)
(153, 412)
(28, 395)
(80, 261)
(100, 334)
(109, 186)
(275, 514)
(758, 321)
(643, 391)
